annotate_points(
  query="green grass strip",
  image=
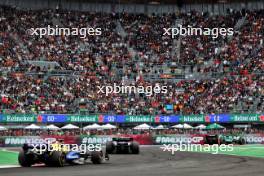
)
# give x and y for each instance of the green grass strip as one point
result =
(8, 157)
(255, 150)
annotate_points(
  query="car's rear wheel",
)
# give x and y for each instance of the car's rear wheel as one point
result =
(57, 159)
(24, 160)
(242, 141)
(135, 147)
(109, 147)
(96, 157)
(221, 141)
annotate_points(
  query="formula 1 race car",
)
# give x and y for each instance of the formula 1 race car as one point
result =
(30, 155)
(224, 139)
(232, 139)
(211, 139)
(125, 145)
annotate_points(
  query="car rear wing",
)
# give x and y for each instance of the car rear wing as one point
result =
(122, 139)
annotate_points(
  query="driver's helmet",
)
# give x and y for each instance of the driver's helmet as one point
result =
(61, 141)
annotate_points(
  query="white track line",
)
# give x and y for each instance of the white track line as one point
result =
(249, 147)
(8, 166)
(10, 151)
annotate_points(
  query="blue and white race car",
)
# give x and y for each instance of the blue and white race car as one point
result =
(30, 155)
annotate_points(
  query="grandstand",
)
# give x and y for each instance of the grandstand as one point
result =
(60, 74)
(88, 71)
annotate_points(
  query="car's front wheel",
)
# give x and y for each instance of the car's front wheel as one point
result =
(109, 147)
(242, 141)
(24, 160)
(96, 157)
(56, 159)
(135, 147)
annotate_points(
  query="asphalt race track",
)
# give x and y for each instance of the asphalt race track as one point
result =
(154, 162)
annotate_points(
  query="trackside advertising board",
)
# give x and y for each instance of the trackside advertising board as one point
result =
(177, 139)
(13, 141)
(64, 118)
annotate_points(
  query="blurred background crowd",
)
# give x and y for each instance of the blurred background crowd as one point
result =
(60, 74)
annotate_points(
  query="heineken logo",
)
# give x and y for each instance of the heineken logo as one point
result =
(261, 118)
(249, 117)
(100, 118)
(207, 119)
(157, 119)
(19, 118)
(192, 118)
(83, 119)
(39, 118)
(138, 119)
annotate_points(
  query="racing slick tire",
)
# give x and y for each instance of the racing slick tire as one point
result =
(110, 147)
(242, 141)
(57, 159)
(24, 160)
(97, 157)
(221, 141)
(135, 148)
